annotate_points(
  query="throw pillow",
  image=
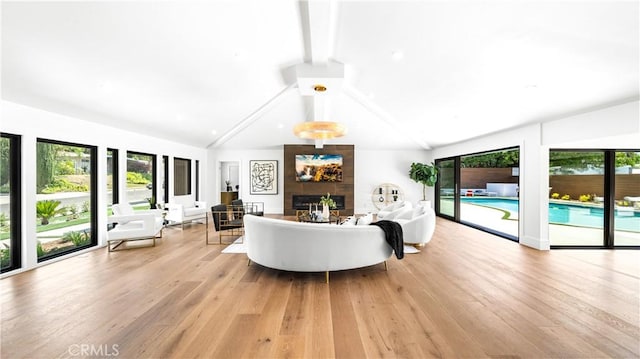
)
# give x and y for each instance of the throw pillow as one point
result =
(350, 221)
(406, 214)
(418, 211)
(365, 220)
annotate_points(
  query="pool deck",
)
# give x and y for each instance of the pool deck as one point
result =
(558, 234)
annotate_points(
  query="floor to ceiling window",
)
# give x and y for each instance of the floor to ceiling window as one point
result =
(165, 179)
(10, 163)
(594, 198)
(112, 177)
(481, 190)
(65, 197)
(141, 180)
(627, 199)
(489, 189)
(446, 187)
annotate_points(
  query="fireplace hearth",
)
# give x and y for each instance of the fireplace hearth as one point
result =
(303, 201)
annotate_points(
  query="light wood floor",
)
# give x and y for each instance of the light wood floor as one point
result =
(467, 294)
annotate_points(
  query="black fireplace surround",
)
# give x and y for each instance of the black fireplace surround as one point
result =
(302, 201)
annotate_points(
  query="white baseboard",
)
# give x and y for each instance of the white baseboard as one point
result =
(536, 243)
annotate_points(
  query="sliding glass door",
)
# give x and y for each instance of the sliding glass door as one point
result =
(489, 191)
(446, 187)
(594, 198)
(627, 199)
(481, 190)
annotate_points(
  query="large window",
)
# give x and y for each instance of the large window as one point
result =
(65, 197)
(112, 177)
(10, 163)
(594, 198)
(489, 188)
(197, 180)
(626, 197)
(446, 187)
(141, 180)
(181, 176)
(481, 190)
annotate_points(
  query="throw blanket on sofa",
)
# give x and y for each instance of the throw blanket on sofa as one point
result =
(393, 234)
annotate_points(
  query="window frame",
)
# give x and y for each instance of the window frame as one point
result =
(93, 196)
(15, 207)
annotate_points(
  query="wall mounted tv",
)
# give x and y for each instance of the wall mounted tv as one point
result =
(318, 168)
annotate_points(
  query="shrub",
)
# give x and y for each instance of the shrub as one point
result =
(86, 206)
(136, 178)
(62, 185)
(47, 209)
(39, 249)
(65, 168)
(585, 198)
(555, 195)
(566, 197)
(5, 257)
(77, 237)
(3, 220)
(5, 188)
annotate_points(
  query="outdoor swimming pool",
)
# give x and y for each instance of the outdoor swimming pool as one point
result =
(568, 214)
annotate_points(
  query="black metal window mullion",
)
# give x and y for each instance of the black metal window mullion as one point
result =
(609, 195)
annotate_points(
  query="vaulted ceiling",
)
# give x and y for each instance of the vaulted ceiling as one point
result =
(222, 74)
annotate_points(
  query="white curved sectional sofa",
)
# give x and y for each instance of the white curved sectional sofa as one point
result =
(313, 247)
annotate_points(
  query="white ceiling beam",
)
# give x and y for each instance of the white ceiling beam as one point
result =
(253, 117)
(368, 104)
(320, 30)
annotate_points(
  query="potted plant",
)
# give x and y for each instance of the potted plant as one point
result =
(425, 174)
(327, 202)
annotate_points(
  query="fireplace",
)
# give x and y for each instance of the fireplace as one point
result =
(302, 201)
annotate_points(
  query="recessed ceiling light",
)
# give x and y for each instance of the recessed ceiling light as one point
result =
(397, 55)
(214, 132)
(280, 125)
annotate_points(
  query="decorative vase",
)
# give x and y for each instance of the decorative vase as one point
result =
(325, 211)
(229, 188)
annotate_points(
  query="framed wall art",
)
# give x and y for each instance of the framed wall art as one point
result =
(264, 177)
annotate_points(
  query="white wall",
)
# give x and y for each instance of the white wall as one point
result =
(33, 123)
(371, 169)
(615, 127)
(272, 203)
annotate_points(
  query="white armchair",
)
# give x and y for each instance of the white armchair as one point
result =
(418, 225)
(391, 211)
(181, 212)
(141, 225)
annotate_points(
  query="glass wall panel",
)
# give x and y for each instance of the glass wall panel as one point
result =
(10, 164)
(627, 199)
(65, 181)
(446, 187)
(576, 198)
(140, 180)
(489, 191)
(112, 178)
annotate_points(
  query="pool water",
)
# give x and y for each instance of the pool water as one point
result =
(570, 214)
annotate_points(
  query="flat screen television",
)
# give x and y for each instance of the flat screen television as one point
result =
(319, 168)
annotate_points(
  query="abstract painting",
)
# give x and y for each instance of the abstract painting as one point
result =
(264, 177)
